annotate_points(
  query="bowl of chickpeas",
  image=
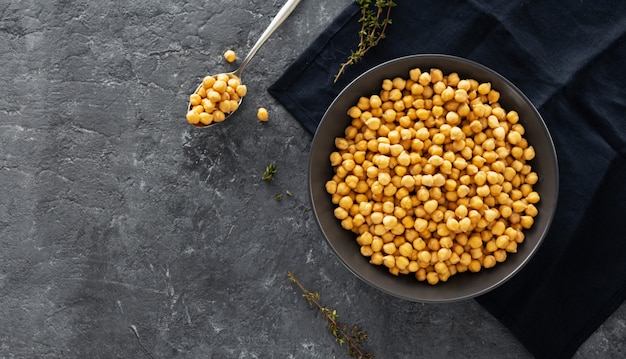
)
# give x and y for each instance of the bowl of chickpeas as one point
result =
(433, 178)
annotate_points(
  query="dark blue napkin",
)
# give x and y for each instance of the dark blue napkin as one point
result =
(569, 58)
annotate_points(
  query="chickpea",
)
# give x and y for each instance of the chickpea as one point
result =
(432, 173)
(432, 278)
(532, 197)
(376, 258)
(491, 246)
(489, 261)
(219, 116)
(500, 255)
(401, 262)
(527, 221)
(262, 114)
(531, 210)
(390, 222)
(474, 266)
(460, 95)
(389, 261)
(405, 249)
(389, 248)
(511, 247)
(493, 96)
(484, 88)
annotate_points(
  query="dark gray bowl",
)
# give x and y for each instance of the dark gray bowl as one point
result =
(462, 285)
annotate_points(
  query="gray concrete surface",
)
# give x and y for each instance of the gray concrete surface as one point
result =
(126, 233)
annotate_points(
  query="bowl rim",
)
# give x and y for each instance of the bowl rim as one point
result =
(492, 75)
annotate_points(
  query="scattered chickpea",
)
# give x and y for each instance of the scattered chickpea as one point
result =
(262, 114)
(230, 55)
(433, 176)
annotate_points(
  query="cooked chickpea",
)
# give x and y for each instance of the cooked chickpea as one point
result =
(405, 249)
(529, 153)
(489, 261)
(230, 55)
(217, 97)
(527, 221)
(220, 86)
(460, 95)
(432, 174)
(474, 266)
(219, 116)
(500, 255)
(262, 114)
(376, 258)
(432, 278)
(484, 88)
(389, 261)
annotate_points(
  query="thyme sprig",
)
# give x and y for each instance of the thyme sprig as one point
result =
(269, 172)
(352, 336)
(374, 22)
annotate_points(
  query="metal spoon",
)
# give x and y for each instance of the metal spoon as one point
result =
(284, 12)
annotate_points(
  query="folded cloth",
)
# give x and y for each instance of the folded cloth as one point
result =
(567, 57)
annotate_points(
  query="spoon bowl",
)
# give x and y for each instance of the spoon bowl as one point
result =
(282, 14)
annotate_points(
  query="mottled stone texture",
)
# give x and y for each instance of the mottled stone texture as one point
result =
(125, 231)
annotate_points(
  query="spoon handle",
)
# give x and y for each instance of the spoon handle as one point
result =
(284, 12)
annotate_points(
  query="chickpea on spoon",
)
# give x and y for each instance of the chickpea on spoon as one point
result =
(219, 96)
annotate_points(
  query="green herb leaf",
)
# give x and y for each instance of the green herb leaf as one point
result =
(269, 172)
